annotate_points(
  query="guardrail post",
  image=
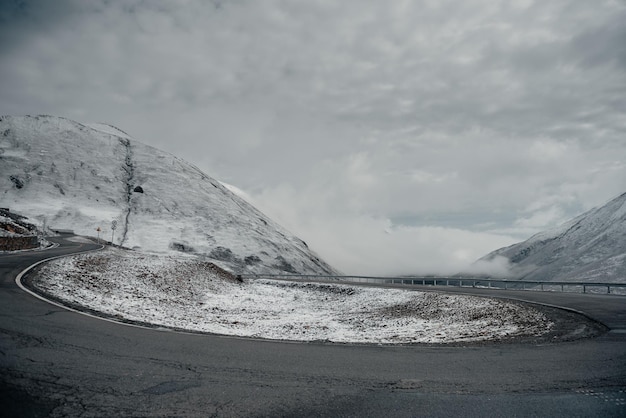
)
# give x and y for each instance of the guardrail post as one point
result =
(608, 289)
(584, 288)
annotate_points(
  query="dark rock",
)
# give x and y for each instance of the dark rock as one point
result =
(17, 182)
(222, 253)
(252, 260)
(284, 265)
(183, 248)
(58, 186)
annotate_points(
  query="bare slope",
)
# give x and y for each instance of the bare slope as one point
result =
(590, 247)
(72, 176)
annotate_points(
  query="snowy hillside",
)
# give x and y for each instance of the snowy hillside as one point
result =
(590, 247)
(66, 175)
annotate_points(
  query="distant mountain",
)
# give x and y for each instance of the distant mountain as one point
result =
(590, 247)
(67, 175)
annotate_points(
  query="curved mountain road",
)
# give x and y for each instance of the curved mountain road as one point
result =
(55, 362)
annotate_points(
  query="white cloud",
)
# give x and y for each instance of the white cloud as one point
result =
(541, 220)
(364, 244)
(497, 267)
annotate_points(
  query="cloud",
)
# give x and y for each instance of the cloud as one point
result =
(364, 244)
(498, 266)
(541, 219)
(427, 119)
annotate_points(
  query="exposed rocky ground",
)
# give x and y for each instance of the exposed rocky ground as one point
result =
(183, 293)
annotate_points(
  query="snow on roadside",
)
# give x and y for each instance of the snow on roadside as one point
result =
(194, 295)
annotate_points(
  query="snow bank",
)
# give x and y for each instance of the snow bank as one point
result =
(193, 295)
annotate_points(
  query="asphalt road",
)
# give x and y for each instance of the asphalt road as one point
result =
(55, 362)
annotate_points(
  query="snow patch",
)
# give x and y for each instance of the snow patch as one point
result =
(108, 129)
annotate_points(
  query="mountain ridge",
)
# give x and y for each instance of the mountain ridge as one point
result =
(590, 247)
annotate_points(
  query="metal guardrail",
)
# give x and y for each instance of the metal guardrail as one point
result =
(457, 281)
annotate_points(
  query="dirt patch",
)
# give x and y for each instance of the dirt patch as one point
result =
(568, 326)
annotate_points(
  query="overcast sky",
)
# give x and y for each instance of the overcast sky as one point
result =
(392, 136)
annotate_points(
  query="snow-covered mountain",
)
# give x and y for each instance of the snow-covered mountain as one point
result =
(67, 175)
(590, 247)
